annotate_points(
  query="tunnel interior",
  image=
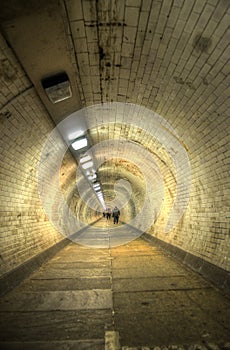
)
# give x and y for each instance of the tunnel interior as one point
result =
(146, 83)
(108, 103)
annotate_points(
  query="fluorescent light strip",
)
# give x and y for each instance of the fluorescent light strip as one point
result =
(87, 165)
(85, 159)
(79, 144)
(96, 185)
(76, 134)
(92, 177)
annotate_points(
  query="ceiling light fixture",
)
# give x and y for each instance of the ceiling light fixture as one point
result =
(96, 185)
(85, 159)
(97, 189)
(80, 143)
(92, 177)
(87, 165)
(74, 135)
(57, 87)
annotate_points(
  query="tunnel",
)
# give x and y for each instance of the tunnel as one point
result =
(104, 104)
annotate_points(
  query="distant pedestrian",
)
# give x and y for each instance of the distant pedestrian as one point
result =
(109, 213)
(116, 214)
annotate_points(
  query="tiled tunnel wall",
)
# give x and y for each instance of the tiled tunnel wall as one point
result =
(25, 228)
(25, 125)
(198, 115)
(204, 229)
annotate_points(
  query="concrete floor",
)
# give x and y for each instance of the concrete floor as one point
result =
(135, 289)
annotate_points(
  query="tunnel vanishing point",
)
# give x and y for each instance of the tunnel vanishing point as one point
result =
(110, 103)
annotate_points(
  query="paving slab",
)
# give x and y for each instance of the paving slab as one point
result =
(122, 252)
(156, 321)
(96, 344)
(79, 257)
(157, 283)
(53, 273)
(63, 266)
(149, 261)
(138, 271)
(54, 325)
(39, 285)
(57, 300)
(168, 328)
(213, 304)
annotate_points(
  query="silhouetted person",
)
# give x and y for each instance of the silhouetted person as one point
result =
(108, 213)
(116, 214)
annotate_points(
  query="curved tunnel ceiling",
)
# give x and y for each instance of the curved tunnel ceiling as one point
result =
(137, 155)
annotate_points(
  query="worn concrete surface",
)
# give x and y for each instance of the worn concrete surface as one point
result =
(135, 289)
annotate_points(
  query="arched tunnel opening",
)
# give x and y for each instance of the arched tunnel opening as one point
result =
(110, 104)
(138, 165)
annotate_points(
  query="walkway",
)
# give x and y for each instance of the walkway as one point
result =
(135, 289)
